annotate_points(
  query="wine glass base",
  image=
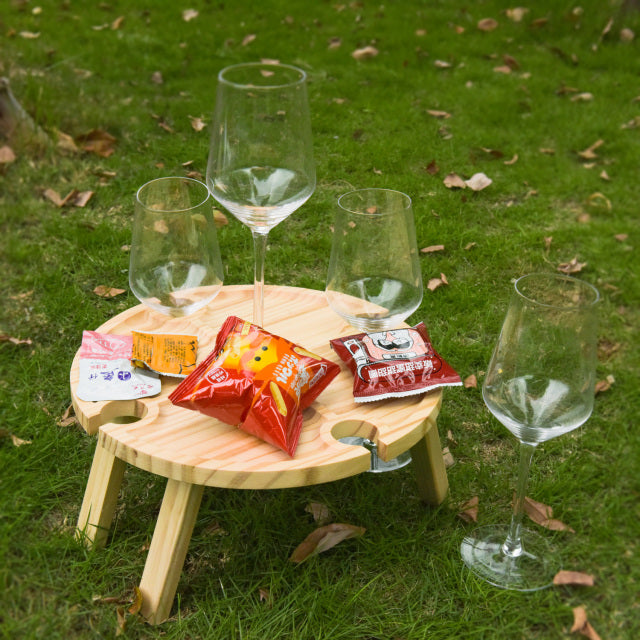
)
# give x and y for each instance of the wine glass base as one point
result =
(377, 464)
(533, 570)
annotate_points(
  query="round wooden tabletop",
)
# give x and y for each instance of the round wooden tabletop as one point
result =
(181, 444)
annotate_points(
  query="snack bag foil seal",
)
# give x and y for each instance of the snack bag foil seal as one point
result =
(257, 381)
(394, 364)
(167, 354)
(106, 371)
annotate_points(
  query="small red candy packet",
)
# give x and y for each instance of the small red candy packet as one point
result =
(394, 364)
(257, 381)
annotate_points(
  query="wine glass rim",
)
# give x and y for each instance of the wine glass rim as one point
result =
(266, 65)
(558, 277)
(181, 178)
(403, 197)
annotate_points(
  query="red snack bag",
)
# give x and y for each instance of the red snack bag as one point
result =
(394, 364)
(257, 381)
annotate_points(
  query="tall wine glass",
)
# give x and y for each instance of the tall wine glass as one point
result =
(175, 266)
(261, 166)
(374, 280)
(540, 384)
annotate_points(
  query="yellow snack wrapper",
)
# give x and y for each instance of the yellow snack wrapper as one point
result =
(167, 354)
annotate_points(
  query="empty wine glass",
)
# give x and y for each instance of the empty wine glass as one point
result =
(374, 280)
(539, 385)
(261, 166)
(175, 266)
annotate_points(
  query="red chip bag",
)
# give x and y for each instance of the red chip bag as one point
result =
(257, 381)
(393, 364)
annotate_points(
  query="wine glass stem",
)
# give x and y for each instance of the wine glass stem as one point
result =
(512, 546)
(259, 253)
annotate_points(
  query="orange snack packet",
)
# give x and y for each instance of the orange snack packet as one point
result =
(167, 354)
(257, 381)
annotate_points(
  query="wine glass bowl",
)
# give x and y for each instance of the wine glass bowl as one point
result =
(539, 385)
(374, 279)
(260, 165)
(175, 266)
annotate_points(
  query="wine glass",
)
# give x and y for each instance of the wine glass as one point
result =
(175, 266)
(540, 384)
(261, 165)
(374, 280)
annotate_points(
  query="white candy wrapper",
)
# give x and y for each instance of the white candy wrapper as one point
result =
(106, 371)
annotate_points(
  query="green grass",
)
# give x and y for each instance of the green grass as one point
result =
(403, 579)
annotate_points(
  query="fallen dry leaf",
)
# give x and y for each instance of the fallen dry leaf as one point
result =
(7, 338)
(470, 245)
(107, 292)
(29, 35)
(219, 218)
(248, 39)
(197, 124)
(264, 595)
(442, 64)
(448, 458)
(432, 168)
(7, 155)
(319, 511)
(516, 14)
(627, 35)
(97, 141)
(117, 23)
(478, 182)
(438, 114)
(470, 382)
(581, 625)
(513, 160)
(434, 283)
(573, 578)
(454, 181)
(68, 417)
(324, 538)
(503, 68)
(542, 514)
(18, 442)
(432, 249)
(364, 53)
(189, 14)
(597, 199)
(621, 237)
(469, 510)
(573, 266)
(604, 385)
(589, 152)
(487, 24)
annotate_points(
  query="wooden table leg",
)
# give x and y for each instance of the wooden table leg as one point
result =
(428, 462)
(100, 497)
(168, 548)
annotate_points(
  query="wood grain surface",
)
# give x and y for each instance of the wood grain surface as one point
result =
(187, 446)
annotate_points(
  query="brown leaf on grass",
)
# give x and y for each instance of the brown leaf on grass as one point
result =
(264, 595)
(248, 39)
(65, 143)
(511, 62)
(434, 283)
(432, 249)
(542, 514)
(136, 603)
(7, 338)
(516, 14)
(219, 218)
(117, 23)
(364, 53)
(18, 442)
(448, 458)
(438, 114)
(513, 160)
(441, 64)
(487, 24)
(81, 198)
(627, 35)
(189, 14)
(335, 43)
(470, 245)
(478, 182)
(573, 578)
(585, 96)
(97, 141)
(503, 68)
(547, 151)
(573, 266)
(432, 168)
(589, 153)
(469, 510)
(107, 292)
(197, 124)
(54, 196)
(7, 155)
(598, 199)
(582, 626)
(470, 382)
(621, 237)
(454, 181)
(68, 417)
(604, 385)
(324, 538)
(319, 511)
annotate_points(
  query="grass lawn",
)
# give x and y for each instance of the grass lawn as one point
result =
(545, 101)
